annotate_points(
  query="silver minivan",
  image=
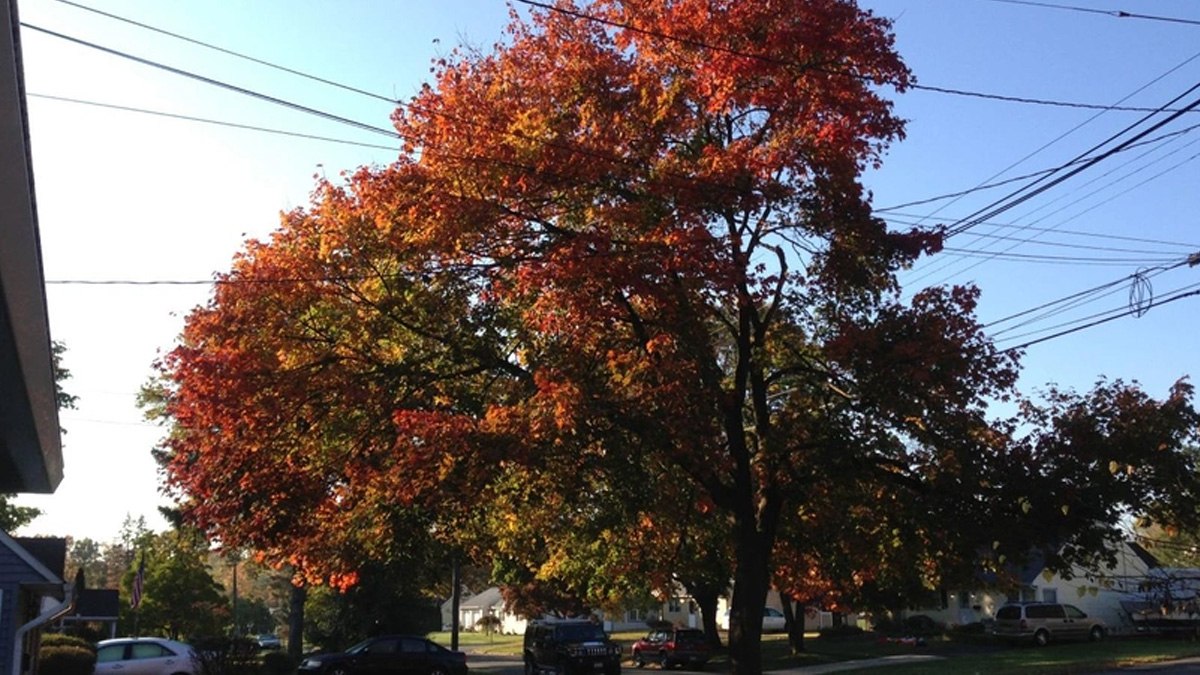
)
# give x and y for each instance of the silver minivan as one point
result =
(1041, 622)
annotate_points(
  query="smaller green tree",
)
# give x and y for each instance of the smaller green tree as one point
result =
(180, 598)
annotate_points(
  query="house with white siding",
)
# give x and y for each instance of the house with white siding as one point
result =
(1106, 592)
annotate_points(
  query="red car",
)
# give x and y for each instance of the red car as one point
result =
(672, 646)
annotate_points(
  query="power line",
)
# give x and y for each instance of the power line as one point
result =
(391, 133)
(1076, 300)
(1051, 259)
(1015, 198)
(1034, 174)
(230, 52)
(1116, 13)
(204, 120)
(899, 218)
(1080, 214)
(784, 62)
(1122, 314)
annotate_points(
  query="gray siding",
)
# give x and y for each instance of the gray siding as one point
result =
(13, 573)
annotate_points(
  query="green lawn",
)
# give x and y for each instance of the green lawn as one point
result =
(980, 657)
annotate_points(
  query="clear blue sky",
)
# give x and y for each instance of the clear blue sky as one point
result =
(127, 196)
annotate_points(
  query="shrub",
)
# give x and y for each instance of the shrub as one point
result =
(224, 656)
(277, 663)
(64, 640)
(840, 631)
(489, 623)
(67, 659)
(974, 633)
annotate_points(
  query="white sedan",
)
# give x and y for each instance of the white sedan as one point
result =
(773, 621)
(144, 656)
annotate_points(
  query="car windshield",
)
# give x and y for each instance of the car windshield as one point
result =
(580, 632)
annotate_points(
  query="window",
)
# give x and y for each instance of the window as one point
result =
(412, 646)
(674, 605)
(382, 647)
(1074, 612)
(964, 599)
(148, 650)
(110, 653)
(1044, 611)
(1049, 595)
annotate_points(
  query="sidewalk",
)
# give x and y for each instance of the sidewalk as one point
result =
(898, 660)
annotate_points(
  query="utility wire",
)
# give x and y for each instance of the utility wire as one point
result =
(1034, 174)
(230, 52)
(1076, 329)
(1080, 214)
(204, 120)
(1016, 198)
(784, 62)
(1117, 13)
(1077, 300)
(391, 133)
(900, 219)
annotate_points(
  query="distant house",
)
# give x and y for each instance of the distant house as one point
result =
(1106, 592)
(679, 609)
(489, 602)
(95, 606)
(448, 606)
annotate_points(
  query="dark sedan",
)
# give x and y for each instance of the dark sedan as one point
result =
(399, 654)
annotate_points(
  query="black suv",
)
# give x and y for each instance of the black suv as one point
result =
(570, 648)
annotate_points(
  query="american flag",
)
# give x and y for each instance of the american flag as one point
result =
(135, 597)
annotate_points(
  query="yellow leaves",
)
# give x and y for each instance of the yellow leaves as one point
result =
(1025, 504)
(1048, 575)
(1114, 467)
(1066, 508)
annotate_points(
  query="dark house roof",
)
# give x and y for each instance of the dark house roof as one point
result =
(51, 552)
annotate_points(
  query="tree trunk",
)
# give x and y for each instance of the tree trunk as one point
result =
(707, 597)
(749, 600)
(795, 623)
(295, 644)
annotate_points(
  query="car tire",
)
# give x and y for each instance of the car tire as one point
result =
(639, 661)
(1096, 634)
(339, 670)
(1041, 638)
(664, 660)
(438, 670)
(530, 668)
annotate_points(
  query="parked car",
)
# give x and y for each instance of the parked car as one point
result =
(773, 620)
(1044, 622)
(571, 647)
(145, 656)
(671, 647)
(268, 641)
(407, 654)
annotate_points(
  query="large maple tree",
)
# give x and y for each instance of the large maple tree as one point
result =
(626, 248)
